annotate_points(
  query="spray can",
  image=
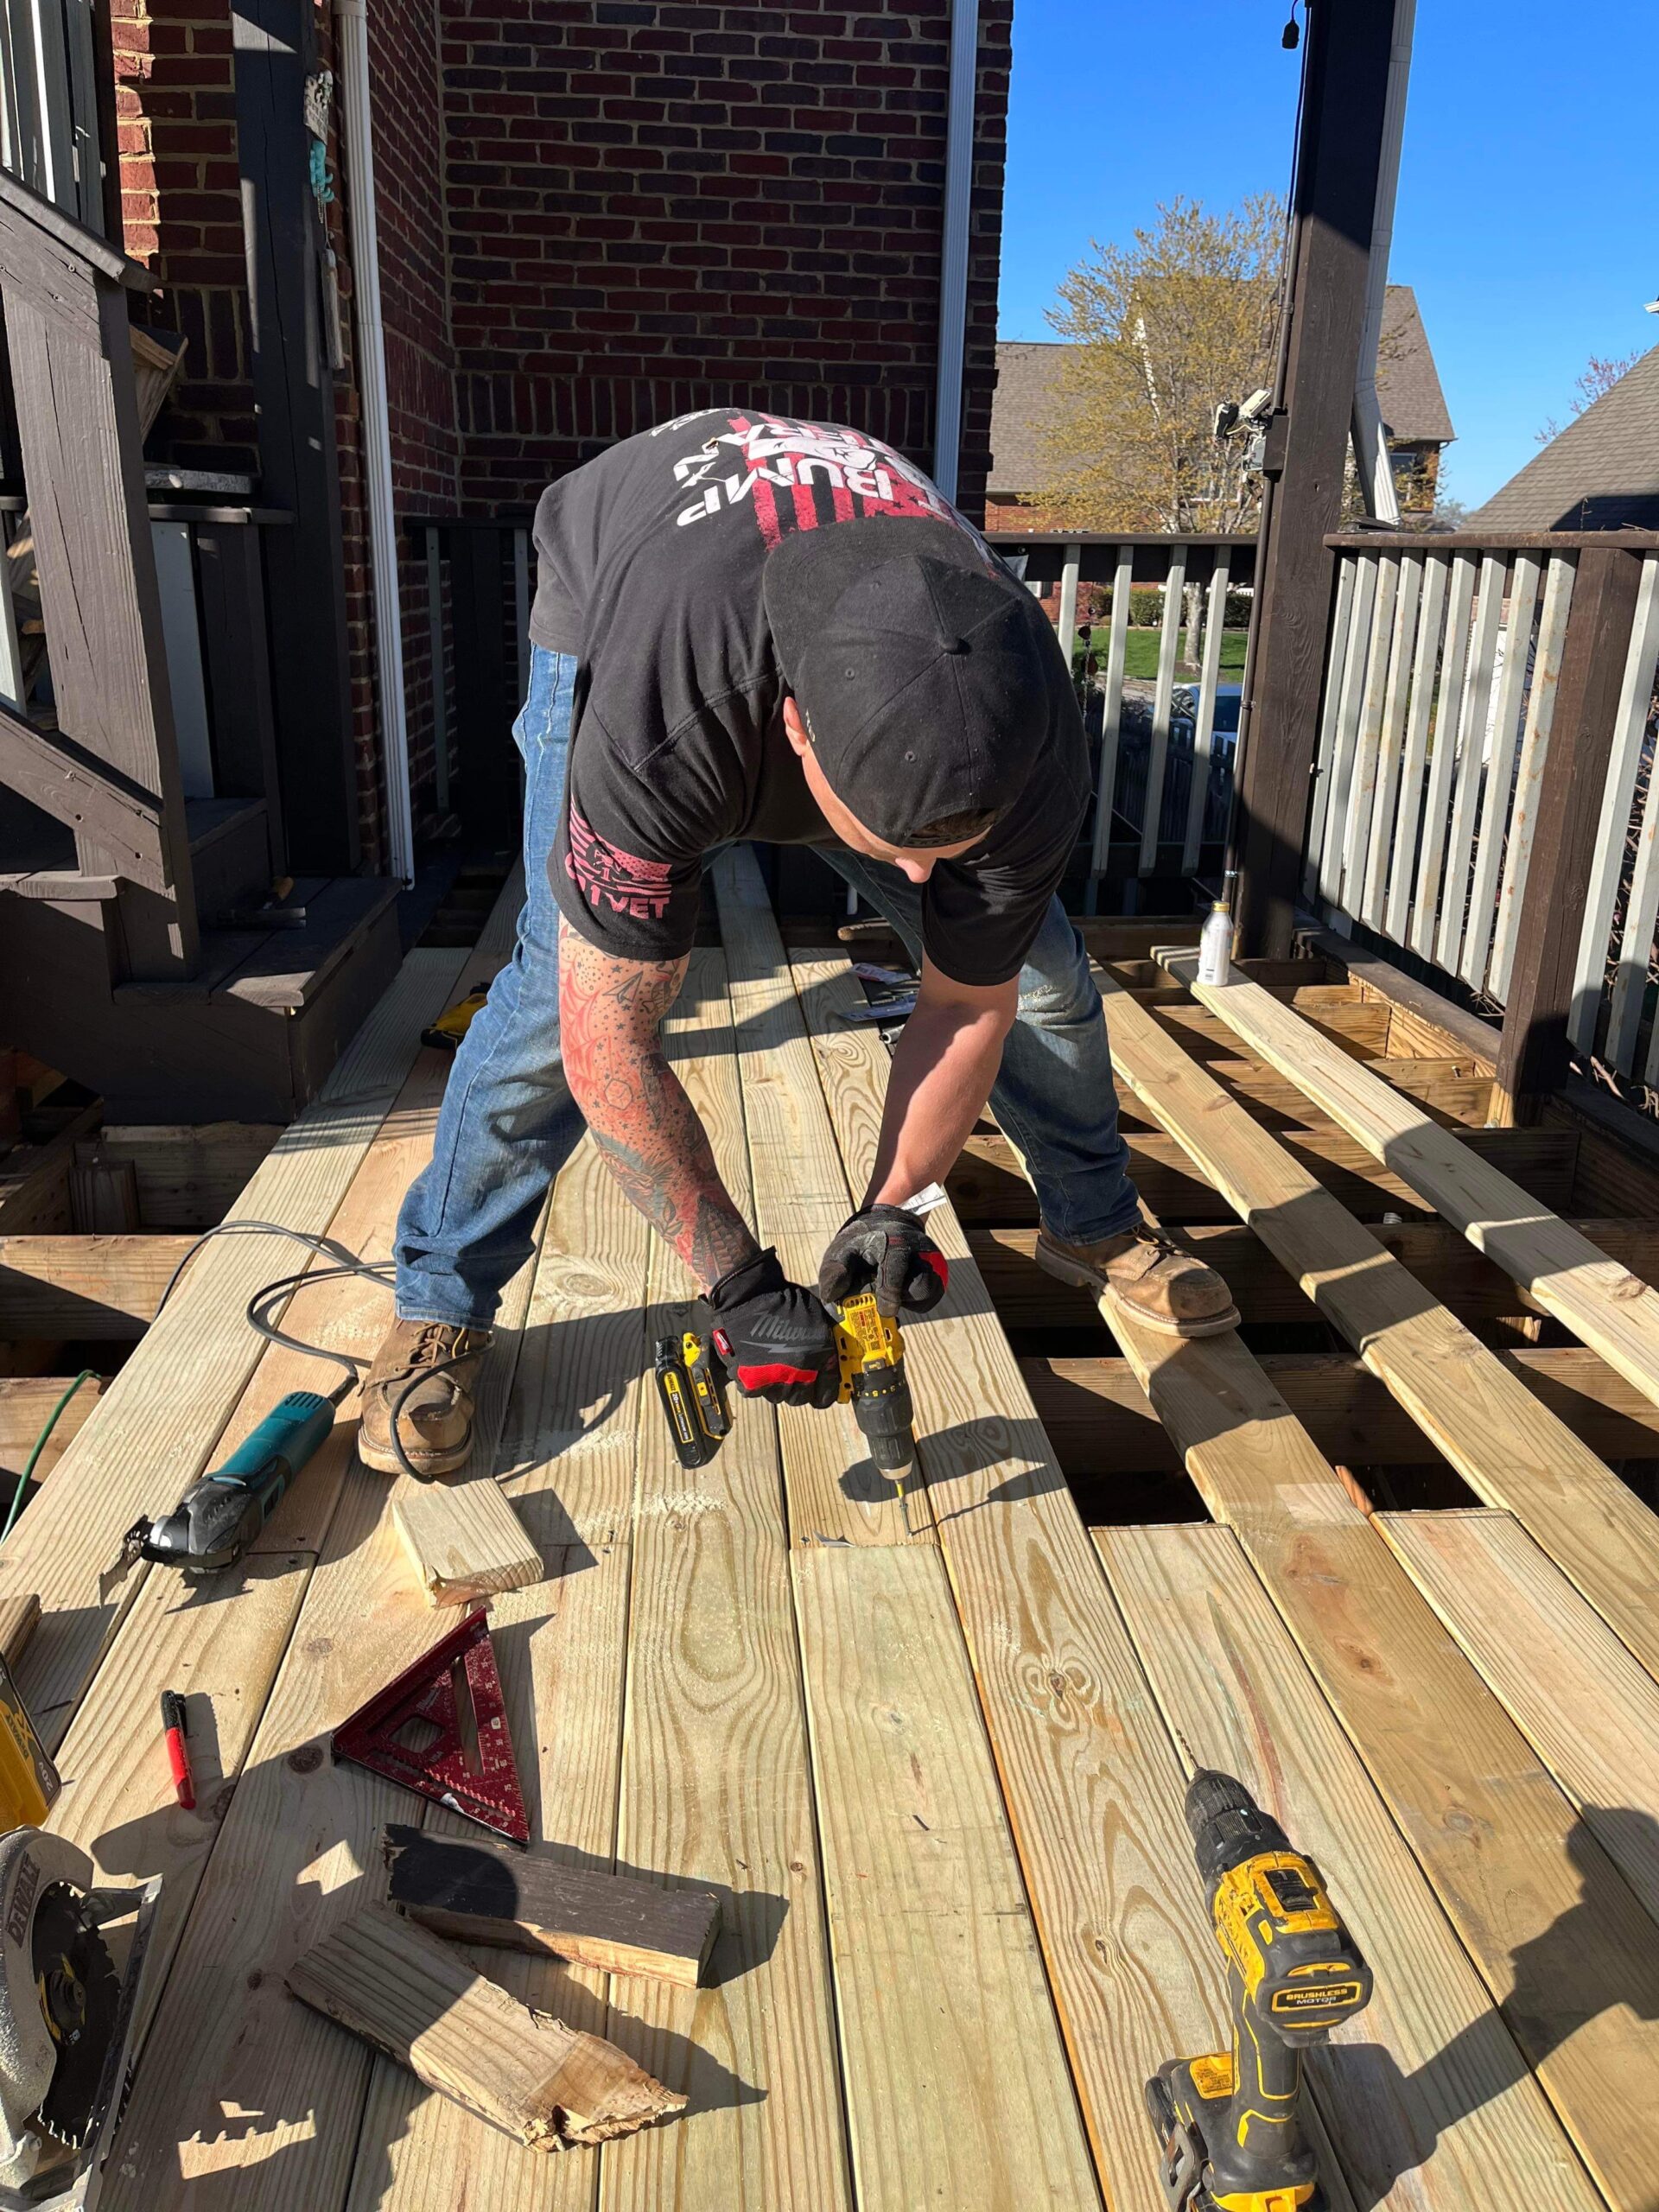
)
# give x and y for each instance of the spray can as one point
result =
(1216, 939)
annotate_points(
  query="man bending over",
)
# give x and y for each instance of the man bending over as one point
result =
(748, 626)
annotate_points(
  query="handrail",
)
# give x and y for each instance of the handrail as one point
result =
(1493, 541)
(996, 538)
(27, 206)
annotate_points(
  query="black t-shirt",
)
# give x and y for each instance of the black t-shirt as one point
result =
(651, 562)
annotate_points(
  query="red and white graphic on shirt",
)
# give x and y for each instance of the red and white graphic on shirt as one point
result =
(829, 475)
(621, 883)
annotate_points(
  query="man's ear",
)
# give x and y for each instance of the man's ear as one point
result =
(795, 729)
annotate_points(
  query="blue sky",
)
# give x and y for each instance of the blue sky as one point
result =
(1529, 208)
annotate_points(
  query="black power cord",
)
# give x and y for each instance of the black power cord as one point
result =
(346, 1263)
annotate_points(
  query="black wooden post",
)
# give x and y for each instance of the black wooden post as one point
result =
(298, 461)
(236, 644)
(1338, 157)
(1533, 1058)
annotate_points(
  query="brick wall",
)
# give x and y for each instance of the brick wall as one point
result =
(655, 207)
(181, 215)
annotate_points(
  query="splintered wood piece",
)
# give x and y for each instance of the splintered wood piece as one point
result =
(421, 2003)
(463, 1538)
(482, 1893)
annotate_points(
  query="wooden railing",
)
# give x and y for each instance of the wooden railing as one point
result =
(1163, 770)
(49, 101)
(1482, 794)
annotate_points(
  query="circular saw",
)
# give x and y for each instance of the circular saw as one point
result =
(66, 2016)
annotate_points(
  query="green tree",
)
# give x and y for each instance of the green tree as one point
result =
(1166, 329)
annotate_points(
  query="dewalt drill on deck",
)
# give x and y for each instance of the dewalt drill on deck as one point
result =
(1230, 2123)
(691, 1379)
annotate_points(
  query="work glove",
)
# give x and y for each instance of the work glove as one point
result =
(776, 1338)
(886, 1249)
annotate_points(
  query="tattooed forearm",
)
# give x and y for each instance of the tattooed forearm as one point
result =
(635, 1106)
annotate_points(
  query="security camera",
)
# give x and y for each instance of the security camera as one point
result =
(1259, 404)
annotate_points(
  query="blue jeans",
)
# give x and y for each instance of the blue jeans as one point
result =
(508, 1122)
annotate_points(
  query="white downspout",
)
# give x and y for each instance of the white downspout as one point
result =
(1370, 443)
(358, 129)
(953, 255)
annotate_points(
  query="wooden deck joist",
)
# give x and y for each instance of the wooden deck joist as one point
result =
(1510, 1449)
(1602, 1303)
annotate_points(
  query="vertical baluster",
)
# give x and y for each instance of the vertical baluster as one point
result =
(1630, 981)
(440, 672)
(1204, 723)
(1424, 664)
(50, 71)
(1472, 728)
(1534, 750)
(1066, 626)
(1390, 740)
(1345, 731)
(1442, 755)
(1362, 790)
(1111, 718)
(1500, 769)
(1625, 760)
(1342, 614)
(1162, 703)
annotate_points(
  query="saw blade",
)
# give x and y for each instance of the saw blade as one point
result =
(81, 1999)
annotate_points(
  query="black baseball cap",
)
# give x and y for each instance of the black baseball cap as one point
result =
(918, 666)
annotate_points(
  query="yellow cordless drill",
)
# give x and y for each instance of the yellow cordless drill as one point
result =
(1230, 2123)
(692, 1382)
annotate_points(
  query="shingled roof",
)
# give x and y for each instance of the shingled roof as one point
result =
(1601, 472)
(1027, 395)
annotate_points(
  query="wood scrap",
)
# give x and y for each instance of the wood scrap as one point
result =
(463, 1538)
(478, 1892)
(419, 2001)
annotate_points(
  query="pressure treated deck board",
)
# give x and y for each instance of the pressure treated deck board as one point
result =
(1508, 1856)
(1079, 1746)
(1605, 1306)
(801, 1198)
(1100, 1421)
(1510, 1449)
(1447, 1266)
(1427, 2098)
(157, 1422)
(956, 2079)
(1588, 1709)
(716, 1786)
(1555, 1933)
(245, 2099)
(567, 1446)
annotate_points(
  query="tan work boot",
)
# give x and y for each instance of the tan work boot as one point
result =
(425, 1371)
(1154, 1281)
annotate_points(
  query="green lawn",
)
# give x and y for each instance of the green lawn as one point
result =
(1140, 655)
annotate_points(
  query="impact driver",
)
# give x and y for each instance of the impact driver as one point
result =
(1230, 2123)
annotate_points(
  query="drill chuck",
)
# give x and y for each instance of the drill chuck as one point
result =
(1228, 1826)
(887, 1419)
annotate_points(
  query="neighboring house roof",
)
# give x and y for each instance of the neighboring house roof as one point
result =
(1408, 382)
(1600, 473)
(1027, 395)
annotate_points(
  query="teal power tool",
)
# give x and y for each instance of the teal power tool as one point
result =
(219, 1515)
